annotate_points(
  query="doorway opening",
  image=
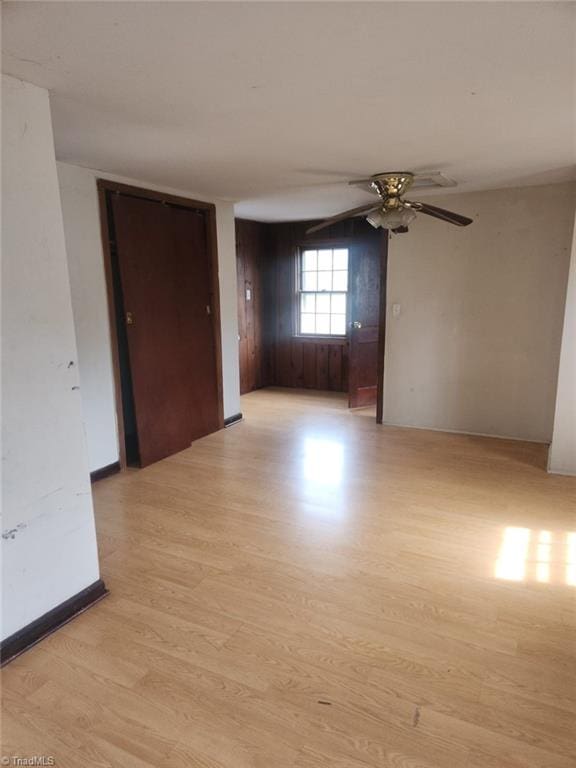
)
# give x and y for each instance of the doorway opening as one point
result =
(311, 310)
(163, 298)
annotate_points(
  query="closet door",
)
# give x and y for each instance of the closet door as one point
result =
(165, 275)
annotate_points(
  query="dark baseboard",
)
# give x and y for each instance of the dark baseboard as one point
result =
(232, 419)
(31, 634)
(109, 469)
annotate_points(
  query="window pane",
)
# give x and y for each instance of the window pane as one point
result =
(339, 303)
(308, 261)
(323, 324)
(341, 281)
(324, 259)
(338, 324)
(309, 282)
(307, 323)
(323, 302)
(325, 280)
(340, 258)
(308, 302)
(323, 299)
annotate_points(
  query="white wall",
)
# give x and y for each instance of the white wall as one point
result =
(562, 457)
(226, 235)
(86, 262)
(476, 345)
(49, 542)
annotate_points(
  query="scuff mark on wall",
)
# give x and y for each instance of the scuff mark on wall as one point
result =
(50, 493)
(10, 533)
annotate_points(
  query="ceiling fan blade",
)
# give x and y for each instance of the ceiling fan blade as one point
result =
(441, 213)
(365, 184)
(354, 182)
(344, 215)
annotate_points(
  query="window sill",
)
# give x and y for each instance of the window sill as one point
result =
(321, 339)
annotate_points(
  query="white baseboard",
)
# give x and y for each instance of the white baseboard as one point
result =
(562, 472)
(465, 432)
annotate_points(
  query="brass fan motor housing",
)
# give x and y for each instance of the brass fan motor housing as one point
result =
(391, 186)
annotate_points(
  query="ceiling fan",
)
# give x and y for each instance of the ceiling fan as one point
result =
(392, 211)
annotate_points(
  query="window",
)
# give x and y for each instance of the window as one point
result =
(322, 292)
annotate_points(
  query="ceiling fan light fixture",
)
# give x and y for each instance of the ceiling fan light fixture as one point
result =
(395, 219)
(376, 218)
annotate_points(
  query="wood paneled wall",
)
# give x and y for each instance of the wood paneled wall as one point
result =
(301, 362)
(255, 323)
(312, 364)
(270, 353)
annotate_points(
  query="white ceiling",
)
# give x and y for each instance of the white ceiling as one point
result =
(275, 104)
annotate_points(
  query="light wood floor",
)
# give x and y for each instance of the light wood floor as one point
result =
(309, 590)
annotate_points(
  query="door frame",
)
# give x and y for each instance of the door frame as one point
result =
(105, 187)
(381, 362)
(350, 242)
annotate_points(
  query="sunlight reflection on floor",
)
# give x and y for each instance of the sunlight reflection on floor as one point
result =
(532, 555)
(323, 472)
(323, 462)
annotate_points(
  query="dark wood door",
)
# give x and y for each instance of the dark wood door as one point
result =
(165, 274)
(364, 293)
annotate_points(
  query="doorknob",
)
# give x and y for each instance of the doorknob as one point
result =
(129, 318)
(357, 324)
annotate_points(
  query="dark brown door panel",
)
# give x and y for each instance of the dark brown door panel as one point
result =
(364, 292)
(165, 273)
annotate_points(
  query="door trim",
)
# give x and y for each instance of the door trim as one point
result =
(105, 187)
(382, 327)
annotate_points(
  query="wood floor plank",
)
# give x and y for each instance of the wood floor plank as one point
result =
(311, 590)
